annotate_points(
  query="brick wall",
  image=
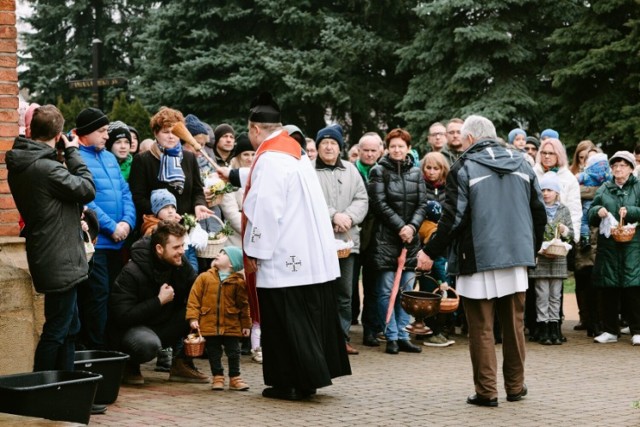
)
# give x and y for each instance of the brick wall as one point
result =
(8, 110)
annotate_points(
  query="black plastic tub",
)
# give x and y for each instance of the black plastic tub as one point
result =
(109, 364)
(55, 395)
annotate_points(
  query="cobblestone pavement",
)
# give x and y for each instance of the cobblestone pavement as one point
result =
(577, 384)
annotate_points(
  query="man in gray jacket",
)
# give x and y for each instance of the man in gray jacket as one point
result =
(492, 225)
(348, 203)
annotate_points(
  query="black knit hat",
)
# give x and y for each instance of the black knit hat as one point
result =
(116, 131)
(90, 120)
(221, 130)
(264, 109)
(243, 144)
(533, 140)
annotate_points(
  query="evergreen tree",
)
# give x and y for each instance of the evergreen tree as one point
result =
(70, 111)
(480, 57)
(595, 65)
(60, 47)
(133, 114)
(314, 57)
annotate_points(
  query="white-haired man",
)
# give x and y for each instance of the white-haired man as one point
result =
(489, 250)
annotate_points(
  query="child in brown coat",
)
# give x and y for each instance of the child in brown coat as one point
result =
(218, 306)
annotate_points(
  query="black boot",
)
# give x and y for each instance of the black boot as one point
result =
(534, 334)
(543, 335)
(408, 347)
(555, 335)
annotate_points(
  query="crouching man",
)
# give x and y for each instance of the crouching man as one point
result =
(148, 304)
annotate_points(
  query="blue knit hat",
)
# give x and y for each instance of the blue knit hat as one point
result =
(235, 256)
(161, 198)
(333, 132)
(514, 132)
(550, 181)
(194, 125)
(550, 133)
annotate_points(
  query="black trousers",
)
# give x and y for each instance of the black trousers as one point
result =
(615, 299)
(231, 346)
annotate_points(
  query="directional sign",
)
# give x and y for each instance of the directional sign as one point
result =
(101, 82)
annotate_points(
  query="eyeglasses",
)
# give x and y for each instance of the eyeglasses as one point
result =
(620, 165)
(437, 134)
(547, 153)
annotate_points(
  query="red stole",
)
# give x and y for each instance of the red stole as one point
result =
(282, 143)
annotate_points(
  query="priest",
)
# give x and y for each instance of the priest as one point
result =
(290, 252)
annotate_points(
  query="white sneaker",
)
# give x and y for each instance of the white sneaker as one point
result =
(625, 331)
(635, 340)
(605, 337)
(257, 355)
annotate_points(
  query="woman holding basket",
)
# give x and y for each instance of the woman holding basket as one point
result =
(617, 271)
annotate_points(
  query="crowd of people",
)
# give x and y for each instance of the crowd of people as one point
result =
(311, 225)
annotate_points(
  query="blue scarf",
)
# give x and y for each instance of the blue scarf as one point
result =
(171, 167)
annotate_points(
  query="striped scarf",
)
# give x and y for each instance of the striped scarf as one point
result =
(170, 167)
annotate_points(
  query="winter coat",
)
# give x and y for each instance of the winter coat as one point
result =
(113, 202)
(125, 167)
(569, 195)
(435, 193)
(144, 179)
(50, 197)
(493, 217)
(344, 192)
(616, 263)
(221, 308)
(134, 296)
(554, 268)
(397, 197)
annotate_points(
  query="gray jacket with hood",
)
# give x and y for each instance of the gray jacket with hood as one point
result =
(493, 216)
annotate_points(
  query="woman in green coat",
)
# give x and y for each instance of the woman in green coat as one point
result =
(617, 270)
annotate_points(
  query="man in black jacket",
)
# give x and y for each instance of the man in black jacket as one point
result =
(50, 198)
(148, 303)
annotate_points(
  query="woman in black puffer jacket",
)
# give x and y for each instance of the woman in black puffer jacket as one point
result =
(398, 199)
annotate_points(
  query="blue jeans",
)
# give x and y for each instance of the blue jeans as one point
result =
(56, 348)
(399, 318)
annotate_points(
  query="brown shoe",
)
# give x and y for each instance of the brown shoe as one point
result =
(183, 370)
(351, 350)
(217, 383)
(238, 384)
(132, 374)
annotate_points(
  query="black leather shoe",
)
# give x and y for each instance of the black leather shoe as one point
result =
(392, 347)
(283, 393)
(474, 399)
(518, 396)
(408, 347)
(98, 409)
(370, 341)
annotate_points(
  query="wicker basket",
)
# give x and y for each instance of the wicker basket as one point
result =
(214, 245)
(194, 345)
(448, 304)
(621, 234)
(343, 253)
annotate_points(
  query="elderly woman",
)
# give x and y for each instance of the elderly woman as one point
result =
(397, 196)
(552, 157)
(617, 271)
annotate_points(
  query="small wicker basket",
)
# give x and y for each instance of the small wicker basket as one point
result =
(194, 345)
(213, 245)
(556, 249)
(448, 304)
(622, 234)
(345, 252)
(89, 248)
